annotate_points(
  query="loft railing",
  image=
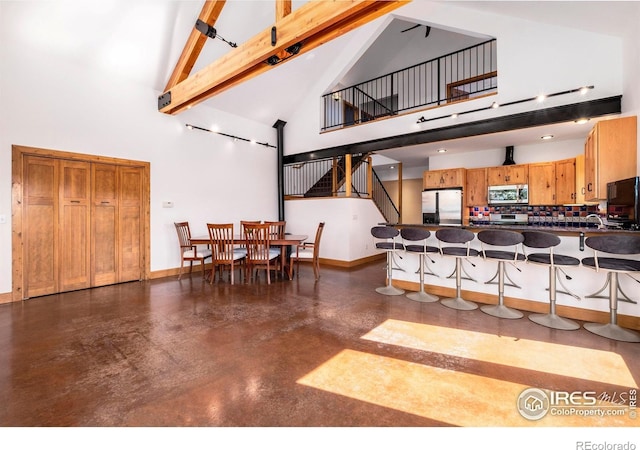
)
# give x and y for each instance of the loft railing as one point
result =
(344, 176)
(457, 76)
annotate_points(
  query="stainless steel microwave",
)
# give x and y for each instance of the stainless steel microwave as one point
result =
(508, 194)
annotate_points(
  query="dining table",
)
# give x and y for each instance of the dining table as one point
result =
(283, 242)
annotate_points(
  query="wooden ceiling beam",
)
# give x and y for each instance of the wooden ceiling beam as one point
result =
(283, 9)
(209, 14)
(313, 24)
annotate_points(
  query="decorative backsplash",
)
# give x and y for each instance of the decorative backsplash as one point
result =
(555, 216)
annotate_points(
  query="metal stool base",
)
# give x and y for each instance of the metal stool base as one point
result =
(459, 303)
(612, 331)
(501, 311)
(423, 297)
(389, 290)
(554, 321)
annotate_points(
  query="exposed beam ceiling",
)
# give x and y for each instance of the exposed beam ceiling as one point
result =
(313, 24)
(195, 42)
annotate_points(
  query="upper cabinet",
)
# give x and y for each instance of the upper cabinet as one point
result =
(443, 178)
(476, 187)
(542, 183)
(566, 185)
(610, 153)
(513, 174)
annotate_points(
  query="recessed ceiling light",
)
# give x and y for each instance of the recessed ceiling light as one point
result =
(392, 167)
(442, 150)
(581, 121)
(547, 136)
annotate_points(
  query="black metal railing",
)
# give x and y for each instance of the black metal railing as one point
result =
(457, 76)
(327, 177)
(383, 201)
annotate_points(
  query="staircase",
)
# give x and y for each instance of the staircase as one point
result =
(324, 187)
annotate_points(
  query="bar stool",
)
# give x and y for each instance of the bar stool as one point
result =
(387, 236)
(420, 235)
(543, 240)
(613, 245)
(509, 241)
(459, 252)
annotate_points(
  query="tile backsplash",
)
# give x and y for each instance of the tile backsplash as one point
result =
(556, 216)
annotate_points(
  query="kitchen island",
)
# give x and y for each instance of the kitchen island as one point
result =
(533, 294)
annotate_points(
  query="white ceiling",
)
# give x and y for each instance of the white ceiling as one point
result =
(142, 40)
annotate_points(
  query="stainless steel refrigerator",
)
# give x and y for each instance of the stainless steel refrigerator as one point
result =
(442, 206)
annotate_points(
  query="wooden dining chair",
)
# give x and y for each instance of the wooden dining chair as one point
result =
(308, 251)
(224, 252)
(188, 251)
(259, 251)
(276, 231)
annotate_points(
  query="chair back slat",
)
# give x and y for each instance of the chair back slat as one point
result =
(221, 238)
(258, 240)
(184, 234)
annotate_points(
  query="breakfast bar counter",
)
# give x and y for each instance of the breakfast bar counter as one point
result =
(586, 299)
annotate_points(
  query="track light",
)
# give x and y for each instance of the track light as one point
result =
(211, 32)
(294, 49)
(230, 136)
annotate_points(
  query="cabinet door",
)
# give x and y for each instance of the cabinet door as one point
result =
(40, 226)
(75, 225)
(518, 174)
(591, 166)
(432, 179)
(566, 181)
(105, 220)
(476, 187)
(497, 176)
(542, 185)
(580, 180)
(130, 223)
(453, 178)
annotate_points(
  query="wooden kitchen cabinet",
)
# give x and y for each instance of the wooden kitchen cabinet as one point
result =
(610, 153)
(476, 187)
(513, 174)
(542, 183)
(443, 178)
(566, 187)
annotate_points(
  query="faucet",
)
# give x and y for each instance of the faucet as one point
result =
(600, 222)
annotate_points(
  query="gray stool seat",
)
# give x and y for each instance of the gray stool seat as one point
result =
(613, 245)
(509, 240)
(388, 242)
(414, 234)
(460, 251)
(544, 240)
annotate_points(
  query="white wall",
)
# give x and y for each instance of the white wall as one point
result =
(54, 103)
(347, 231)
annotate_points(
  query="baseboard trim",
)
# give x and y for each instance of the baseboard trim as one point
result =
(570, 312)
(7, 297)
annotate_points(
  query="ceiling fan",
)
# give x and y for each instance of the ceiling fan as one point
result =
(426, 34)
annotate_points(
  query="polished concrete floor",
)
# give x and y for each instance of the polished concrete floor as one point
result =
(295, 353)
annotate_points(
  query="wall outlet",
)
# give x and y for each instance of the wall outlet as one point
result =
(167, 204)
(3, 218)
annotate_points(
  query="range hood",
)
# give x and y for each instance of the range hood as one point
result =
(508, 159)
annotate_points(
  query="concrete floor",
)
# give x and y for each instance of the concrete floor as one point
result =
(299, 353)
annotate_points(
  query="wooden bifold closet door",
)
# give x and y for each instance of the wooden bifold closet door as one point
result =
(82, 224)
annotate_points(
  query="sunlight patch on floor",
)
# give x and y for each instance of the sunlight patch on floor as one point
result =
(450, 397)
(569, 361)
